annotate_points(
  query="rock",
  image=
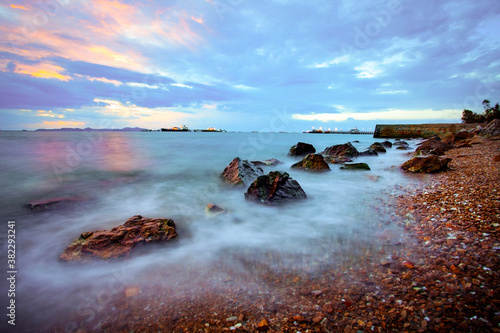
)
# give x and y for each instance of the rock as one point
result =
(492, 129)
(463, 144)
(463, 135)
(496, 158)
(38, 205)
(119, 241)
(428, 164)
(355, 166)
(275, 188)
(345, 150)
(312, 163)
(240, 172)
(447, 137)
(301, 149)
(401, 143)
(432, 146)
(263, 326)
(378, 147)
(387, 144)
(402, 147)
(337, 160)
(268, 162)
(214, 210)
(369, 152)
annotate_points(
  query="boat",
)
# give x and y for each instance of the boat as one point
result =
(211, 129)
(183, 128)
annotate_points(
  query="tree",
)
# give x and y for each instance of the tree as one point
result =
(468, 116)
(489, 114)
(486, 104)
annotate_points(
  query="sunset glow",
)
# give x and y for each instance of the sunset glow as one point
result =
(246, 61)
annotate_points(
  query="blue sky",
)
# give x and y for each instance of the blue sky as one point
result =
(245, 65)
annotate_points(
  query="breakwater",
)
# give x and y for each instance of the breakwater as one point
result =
(418, 131)
(341, 132)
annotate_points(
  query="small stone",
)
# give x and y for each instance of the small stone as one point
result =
(263, 326)
(233, 318)
(408, 264)
(132, 291)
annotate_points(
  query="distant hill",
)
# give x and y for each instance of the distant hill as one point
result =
(125, 129)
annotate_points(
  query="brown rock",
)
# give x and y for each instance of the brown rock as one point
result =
(312, 163)
(492, 129)
(214, 210)
(447, 137)
(240, 172)
(275, 188)
(428, 164)
(338, 160)
(38, 205)
(463, 135)
(432, 146)
(345, 150)
(301, 149)
(119, 241)
(378, 147)
(263, 326)
(268, 162)
(496, 158)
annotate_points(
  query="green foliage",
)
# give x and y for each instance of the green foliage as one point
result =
(489, 114)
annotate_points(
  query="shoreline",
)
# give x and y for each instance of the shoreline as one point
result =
(440, 275)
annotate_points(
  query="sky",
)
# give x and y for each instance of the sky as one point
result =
(241, 65)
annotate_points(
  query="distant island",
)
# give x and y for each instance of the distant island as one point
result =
(125, 129)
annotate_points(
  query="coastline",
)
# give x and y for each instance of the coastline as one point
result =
(439, 275)
(455, 221)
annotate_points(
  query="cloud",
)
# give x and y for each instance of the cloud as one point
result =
(62, 123)
(382, 115)
(247, 58)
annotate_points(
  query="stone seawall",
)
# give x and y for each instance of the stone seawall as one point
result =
(418, 131)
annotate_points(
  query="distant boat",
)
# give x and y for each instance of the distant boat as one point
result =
(211, 129)
(183, 128)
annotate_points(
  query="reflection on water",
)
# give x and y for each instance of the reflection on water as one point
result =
(118, 154)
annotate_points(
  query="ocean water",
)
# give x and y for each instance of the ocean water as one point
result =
(116, 175)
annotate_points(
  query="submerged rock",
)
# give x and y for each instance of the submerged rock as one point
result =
(39, 205)
(401, 143)
(275, 188)
(268, 162)
(337, 160)
(344, 150)
(369, 152)
(214, 210)
(119, 241)
(355, 166)
(301, 149)
(240, 172)
(387, 144)
(378, 147)
(428, 164)
(312, 163)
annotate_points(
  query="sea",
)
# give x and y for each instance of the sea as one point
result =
(115, 175)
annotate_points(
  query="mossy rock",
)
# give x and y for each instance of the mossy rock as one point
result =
(355, 166)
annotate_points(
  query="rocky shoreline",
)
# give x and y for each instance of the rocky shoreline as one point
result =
(440, 275)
